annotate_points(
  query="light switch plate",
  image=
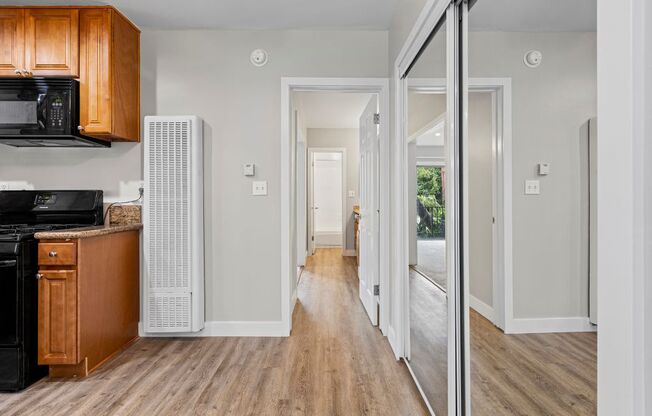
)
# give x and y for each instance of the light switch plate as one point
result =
(532, 187)
(351, 194)
(249, 169)
(259, 188)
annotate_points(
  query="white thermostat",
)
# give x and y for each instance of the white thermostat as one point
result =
(249, 169)
(544, 169)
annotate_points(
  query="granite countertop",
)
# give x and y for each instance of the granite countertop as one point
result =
(86, 232)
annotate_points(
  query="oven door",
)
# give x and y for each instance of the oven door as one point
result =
(34, 110)
(9, 300)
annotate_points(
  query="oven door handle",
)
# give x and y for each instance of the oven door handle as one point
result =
(7, 263)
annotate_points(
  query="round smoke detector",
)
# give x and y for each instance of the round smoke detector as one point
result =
(533, 58)
(258, 57)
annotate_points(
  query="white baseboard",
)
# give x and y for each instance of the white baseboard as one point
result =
(349, 252)
(229, 329)
(548, 325)
(481, 308)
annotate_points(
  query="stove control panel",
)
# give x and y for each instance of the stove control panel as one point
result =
(45, 199)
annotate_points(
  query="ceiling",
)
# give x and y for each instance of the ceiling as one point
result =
(534, 16)
(246, 14)
(434, 136)
(486, 15)
(331, 110)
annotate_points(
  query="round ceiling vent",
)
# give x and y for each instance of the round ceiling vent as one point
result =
(533, 58)
(258, 57)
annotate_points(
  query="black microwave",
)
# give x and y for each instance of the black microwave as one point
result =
(42, 112)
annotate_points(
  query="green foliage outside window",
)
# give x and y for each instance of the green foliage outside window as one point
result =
(431, 213)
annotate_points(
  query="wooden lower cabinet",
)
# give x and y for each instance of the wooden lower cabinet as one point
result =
(57, 317)
(88, 311)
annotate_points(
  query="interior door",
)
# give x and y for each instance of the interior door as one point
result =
(369, 208)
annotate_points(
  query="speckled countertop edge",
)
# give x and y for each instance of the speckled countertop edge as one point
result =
(85, 232)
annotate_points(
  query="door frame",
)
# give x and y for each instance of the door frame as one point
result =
(311, 196)
(288, 233)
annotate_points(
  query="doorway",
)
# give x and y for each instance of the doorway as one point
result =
(378, 88)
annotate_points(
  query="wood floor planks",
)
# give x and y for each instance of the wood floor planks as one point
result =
(534, 374)
(335, 363)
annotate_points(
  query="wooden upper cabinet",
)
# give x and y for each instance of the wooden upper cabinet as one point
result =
(109, 55)
(12, 41)
(52, 42)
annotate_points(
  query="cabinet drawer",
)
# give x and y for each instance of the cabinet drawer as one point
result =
(57, 254)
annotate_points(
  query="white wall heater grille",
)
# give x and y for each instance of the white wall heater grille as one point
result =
(173, 217)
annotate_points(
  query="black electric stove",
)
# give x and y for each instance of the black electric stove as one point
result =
(23, 213)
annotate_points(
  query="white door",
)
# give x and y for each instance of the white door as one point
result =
(369, 208)
(327, 197)
(302, 205)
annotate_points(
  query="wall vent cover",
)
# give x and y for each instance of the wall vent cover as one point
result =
(173, 278)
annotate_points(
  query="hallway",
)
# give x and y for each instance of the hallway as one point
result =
(334, 363)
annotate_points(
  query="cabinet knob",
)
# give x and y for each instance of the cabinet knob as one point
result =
(26, 73)
(18, 72)
(39, 276)
(80, 128)
(52, 254)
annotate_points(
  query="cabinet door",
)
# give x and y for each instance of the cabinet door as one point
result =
(95, 70)
(52, 42)
(57, 317)
(12, 42)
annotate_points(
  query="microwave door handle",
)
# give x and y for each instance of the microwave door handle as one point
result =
(7, 263)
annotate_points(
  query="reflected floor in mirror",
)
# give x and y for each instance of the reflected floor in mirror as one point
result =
(533, 374)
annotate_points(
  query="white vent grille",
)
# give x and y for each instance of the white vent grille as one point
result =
(169, 312)
(173, 224)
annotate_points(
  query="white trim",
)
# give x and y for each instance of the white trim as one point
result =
(311, 192)
(482, 308)
(227, 329)
(431, 13)
(350, 252)
(549, 325)
(421, 392)
(379, 86)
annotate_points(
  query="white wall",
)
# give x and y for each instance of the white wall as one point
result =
(118, 170)
(241, 108)
(350, 140)
(550, 103)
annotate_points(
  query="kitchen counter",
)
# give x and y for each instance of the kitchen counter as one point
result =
(86, 232)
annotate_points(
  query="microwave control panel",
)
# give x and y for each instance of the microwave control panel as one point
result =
(56, 112)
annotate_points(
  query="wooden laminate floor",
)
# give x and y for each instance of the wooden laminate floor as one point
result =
(533, 374)
(335, 363)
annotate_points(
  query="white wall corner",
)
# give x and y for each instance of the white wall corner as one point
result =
(482, 308)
